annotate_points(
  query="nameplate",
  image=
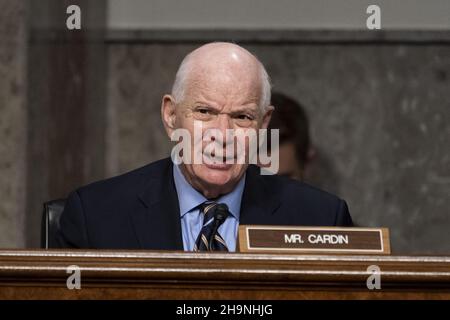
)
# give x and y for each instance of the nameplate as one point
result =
(314, 240)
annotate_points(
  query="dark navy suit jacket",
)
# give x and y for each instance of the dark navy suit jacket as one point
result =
(139, 209)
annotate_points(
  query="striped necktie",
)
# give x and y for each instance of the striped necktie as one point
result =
(209, 238)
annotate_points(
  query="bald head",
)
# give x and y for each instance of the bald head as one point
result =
(221, 64)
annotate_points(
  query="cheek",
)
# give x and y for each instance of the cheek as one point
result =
(185, 123)
(185, 119)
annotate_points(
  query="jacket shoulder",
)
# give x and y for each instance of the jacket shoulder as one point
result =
(304, 204)
(298, 190)
(127, 181)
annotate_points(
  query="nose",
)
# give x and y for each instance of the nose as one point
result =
(223, 122)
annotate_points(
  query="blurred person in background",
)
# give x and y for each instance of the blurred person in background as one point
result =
(295, 149)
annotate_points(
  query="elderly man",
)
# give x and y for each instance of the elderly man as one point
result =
(198, 206)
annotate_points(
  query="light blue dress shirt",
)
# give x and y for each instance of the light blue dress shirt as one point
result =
(192, 220)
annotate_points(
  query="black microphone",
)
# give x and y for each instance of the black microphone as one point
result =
(220, 215)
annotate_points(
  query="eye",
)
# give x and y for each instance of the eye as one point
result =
(203, 110)
(245, 117)
(203, 113)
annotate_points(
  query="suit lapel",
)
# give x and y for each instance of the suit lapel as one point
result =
(157, 219)
(259, 203)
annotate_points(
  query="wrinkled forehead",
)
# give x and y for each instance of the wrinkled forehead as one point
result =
(224, 81)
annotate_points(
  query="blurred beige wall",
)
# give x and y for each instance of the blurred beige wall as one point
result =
(279, 14)
(13, 122)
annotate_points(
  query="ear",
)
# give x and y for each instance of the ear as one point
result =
(168, 114)
(266, 117)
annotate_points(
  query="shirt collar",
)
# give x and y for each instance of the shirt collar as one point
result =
(189, 198)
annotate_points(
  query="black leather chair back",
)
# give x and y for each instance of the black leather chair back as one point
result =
(50, 222)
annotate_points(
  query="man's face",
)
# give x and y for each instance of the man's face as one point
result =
(218, 101)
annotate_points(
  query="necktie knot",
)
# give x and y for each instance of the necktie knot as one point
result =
(208, 209)
(213, 210)
(209, 238)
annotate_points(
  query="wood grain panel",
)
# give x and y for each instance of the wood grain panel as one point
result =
(36, 274)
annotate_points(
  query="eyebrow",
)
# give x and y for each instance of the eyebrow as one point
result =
(252, 108)
(205, 104)
(249, 107)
